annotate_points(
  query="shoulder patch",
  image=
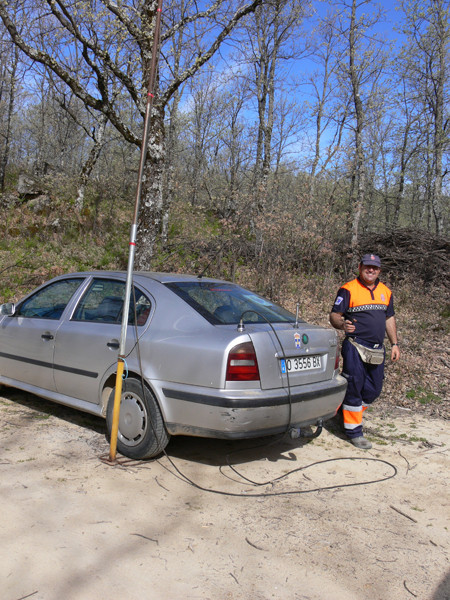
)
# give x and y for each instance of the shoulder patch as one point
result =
(338, 300)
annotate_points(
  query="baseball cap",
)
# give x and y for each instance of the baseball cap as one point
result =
(371, 259)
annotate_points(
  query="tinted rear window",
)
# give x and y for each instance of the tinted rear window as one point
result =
(226, 303)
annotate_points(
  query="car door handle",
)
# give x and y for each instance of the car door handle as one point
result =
(113, 344)
(47, 336)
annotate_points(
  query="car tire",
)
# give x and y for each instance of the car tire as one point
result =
(142, 433)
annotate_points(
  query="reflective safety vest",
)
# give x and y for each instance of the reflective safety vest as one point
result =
(367, 309)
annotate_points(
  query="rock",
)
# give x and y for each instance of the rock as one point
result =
(40, 204)
(29, 187)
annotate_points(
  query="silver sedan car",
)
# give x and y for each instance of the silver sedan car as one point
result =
(203, 357)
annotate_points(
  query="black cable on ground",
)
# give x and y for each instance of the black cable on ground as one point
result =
(185, 478)
(290, 492)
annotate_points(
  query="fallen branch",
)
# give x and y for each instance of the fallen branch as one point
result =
(403, 514)
(146, 538)
(28, 596)
(253, 545)
(406, 460)
(406, 588)
(161, 485)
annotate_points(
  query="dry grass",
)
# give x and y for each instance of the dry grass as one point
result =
(39, 244)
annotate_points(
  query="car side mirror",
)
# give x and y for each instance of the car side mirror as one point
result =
(7, 309)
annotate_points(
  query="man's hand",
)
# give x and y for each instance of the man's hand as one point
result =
(395, 353)
(349, 327)
(338, 322)
(391, 330)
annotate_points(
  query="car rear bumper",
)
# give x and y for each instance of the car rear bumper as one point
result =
(205, 412)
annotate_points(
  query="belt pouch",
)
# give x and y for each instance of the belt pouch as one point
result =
(371, 356)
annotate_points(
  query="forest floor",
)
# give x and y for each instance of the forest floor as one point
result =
(267, 519)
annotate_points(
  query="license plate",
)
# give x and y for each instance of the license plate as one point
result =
(301, 363)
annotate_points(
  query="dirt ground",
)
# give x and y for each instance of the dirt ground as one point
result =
(342, 524)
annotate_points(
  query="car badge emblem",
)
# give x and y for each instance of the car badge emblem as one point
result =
(297, 340)
(305, 338)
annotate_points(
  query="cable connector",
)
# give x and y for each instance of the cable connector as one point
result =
(295, 432)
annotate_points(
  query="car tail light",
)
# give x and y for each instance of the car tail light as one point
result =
(242, 364)
(336, 361)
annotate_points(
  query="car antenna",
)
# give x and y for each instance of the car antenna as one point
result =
(200, 275)
(296, 316)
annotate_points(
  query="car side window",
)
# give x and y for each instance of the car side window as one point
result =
(49, 302)
(103, 303)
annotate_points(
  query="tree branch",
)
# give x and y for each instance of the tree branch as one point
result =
(206, 56)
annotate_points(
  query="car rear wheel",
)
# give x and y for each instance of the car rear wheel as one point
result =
(142, 433)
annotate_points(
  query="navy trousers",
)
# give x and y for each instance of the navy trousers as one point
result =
(364, 386)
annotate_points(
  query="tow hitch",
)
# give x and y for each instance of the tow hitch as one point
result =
(295, 432)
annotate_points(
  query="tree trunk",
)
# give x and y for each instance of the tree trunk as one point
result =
(150, 215)
(6, 148)
(439, 133)
(91, 161)
(359, 170)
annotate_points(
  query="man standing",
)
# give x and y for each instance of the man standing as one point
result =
(364, 309)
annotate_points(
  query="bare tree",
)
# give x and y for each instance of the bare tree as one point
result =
(230, 160)
(8, 86)
(103, 55)
(272, 39)
(178, 51)
(428, 74)
(406, 140)
(97, 134)
(289, 130)
(204, 122)
(329, 107)
(361, 68)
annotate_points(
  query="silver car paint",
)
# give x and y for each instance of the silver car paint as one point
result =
(184, 361)
(28, 342)
(249, 413)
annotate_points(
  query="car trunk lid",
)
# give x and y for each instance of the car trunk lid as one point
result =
(294, 356)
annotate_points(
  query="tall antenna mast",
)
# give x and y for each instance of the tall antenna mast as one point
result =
(133, 235)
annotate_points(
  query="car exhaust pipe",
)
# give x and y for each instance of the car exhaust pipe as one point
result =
(295, 432)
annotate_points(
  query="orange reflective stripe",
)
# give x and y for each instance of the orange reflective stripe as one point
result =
(352, 417)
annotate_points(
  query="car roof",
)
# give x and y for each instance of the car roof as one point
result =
(155, 276)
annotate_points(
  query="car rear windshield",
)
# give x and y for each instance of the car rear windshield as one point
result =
(226, 303)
